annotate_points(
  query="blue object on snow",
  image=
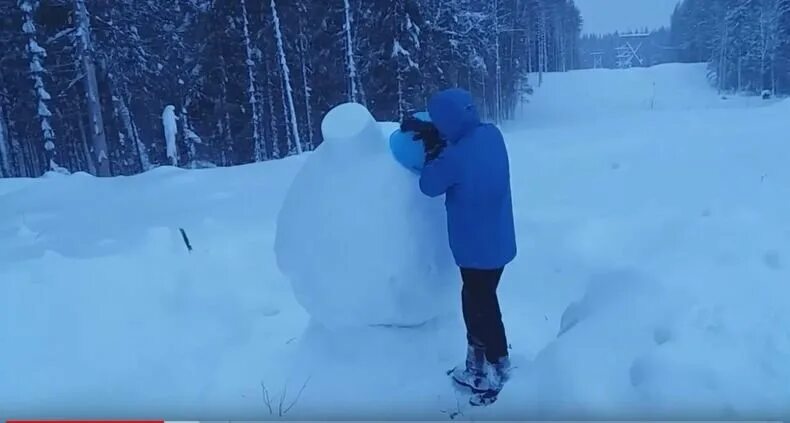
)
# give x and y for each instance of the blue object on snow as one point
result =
(474, 173)
(410, 153)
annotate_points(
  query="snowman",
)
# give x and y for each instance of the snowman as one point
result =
(359, 242)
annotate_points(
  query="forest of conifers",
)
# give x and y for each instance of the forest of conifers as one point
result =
(745, 42)
(84, 84)
(90, 85)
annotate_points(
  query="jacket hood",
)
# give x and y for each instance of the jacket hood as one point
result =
(454, 113)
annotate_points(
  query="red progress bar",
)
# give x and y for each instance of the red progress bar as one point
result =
(85, 421)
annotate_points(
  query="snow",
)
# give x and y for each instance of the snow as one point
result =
(171, 130)
(358, 240)
(34, 48)
(656, 237)
(43, 94)
(26, 6)
(351, 123)
(43, 111)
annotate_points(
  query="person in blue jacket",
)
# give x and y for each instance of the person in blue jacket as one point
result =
(467, 161)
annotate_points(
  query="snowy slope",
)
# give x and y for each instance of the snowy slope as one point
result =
(675, 219)
(657, 235)
(600, 94)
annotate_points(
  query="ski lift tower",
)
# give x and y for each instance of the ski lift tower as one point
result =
(628, 51)
(597, 59)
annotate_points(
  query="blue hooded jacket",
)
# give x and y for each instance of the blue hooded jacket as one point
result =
(474, 173)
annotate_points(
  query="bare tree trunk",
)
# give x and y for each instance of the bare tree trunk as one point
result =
(561, 51)
(542, 45)
(284, 104)
(274, 130)
(34, 164)
(252, 89)
(15, 157)
(528, 46)
(131, 128)
(223, 123)
(127, 130)
(5, 147)
(351, 64)
(190, 137)
(498, 58)
(723, 55)
(740, 73)
(773, 79)
(286, 73)
(306, 88)
(85, 148)
(98, 136)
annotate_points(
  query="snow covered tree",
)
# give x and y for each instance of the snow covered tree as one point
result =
(82, 35)
(124, 61)
(170, 126)
(303, 47)
(251, 81)
(36, 54)
(5, 147)
(354, 93)
(286, 75)
(396, 79)
(252, 88)
(744, 41)
(7, 159)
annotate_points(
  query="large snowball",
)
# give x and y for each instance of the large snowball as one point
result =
(358, 240)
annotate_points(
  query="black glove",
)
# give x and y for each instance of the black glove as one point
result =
(428, 134)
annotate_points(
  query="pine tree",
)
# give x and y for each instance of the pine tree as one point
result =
(252, 88)
(124, 62)
(286, 75)
(306, 73)
(397, 82)
(36, 53)
(251, 81)
(351, 61)
(82, 36)
(742, 40)
(5, 147)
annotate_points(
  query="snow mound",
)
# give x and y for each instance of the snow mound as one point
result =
(594, 362)
(359, 242)
(633, 347)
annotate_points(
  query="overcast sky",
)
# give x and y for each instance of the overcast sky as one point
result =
(601, 16)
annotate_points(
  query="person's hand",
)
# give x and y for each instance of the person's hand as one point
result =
(433, 147)
(428, 134)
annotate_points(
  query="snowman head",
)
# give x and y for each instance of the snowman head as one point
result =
(351, 125)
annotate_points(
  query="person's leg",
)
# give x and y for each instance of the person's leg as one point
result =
(473, 374)
(495, 339)
(472, 292)
(492, 327)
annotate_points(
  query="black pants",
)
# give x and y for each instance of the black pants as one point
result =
(482, 315)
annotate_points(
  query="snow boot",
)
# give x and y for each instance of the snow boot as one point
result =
(473, 375)
(501, 372)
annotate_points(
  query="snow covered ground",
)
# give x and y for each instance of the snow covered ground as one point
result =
(652, 221)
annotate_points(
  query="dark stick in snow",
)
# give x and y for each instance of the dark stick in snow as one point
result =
(186, 239)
